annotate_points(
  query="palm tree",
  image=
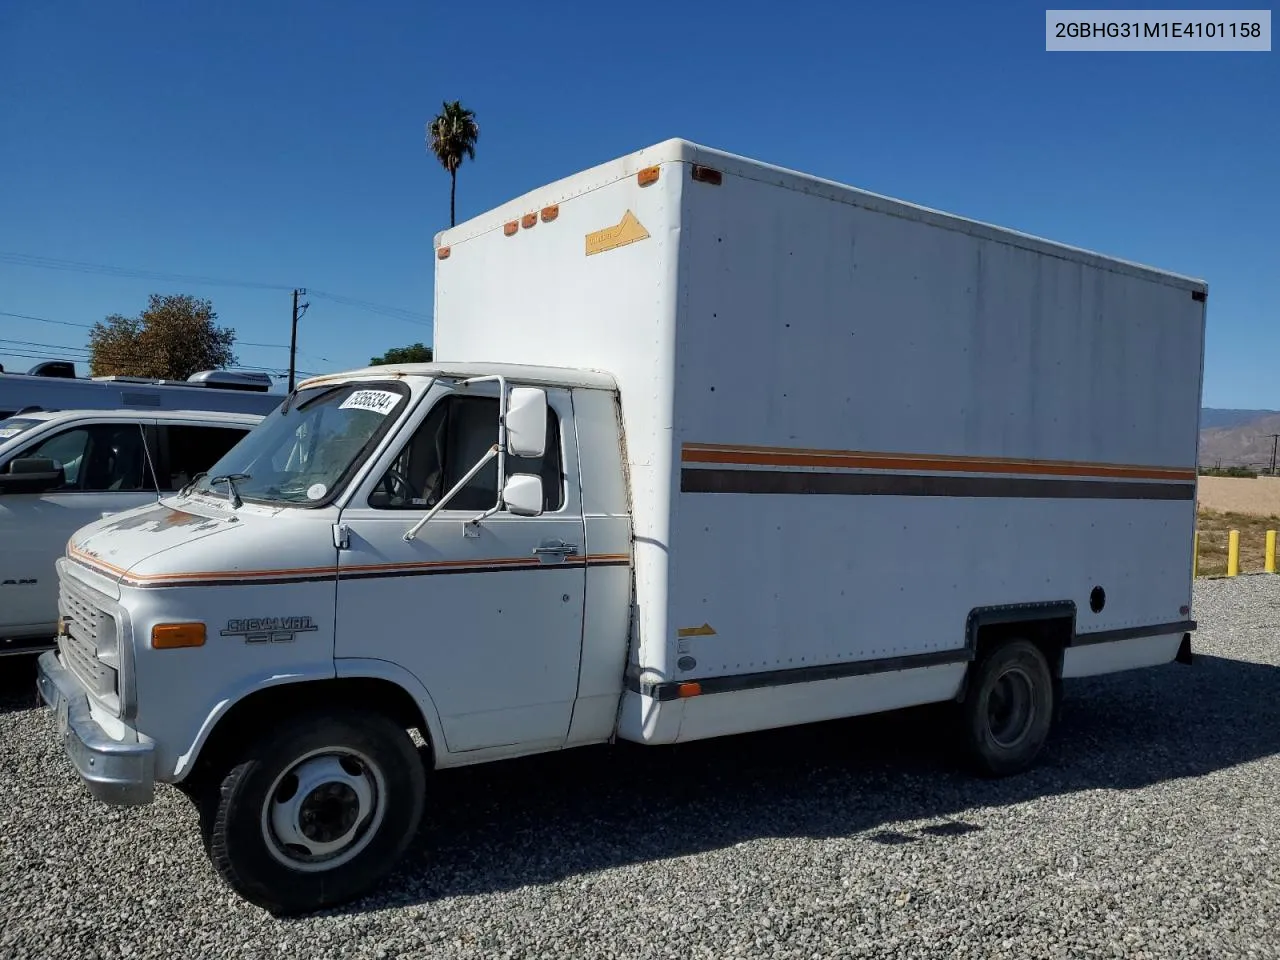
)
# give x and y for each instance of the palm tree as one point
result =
(451, 136)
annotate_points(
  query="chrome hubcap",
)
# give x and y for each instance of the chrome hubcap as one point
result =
(1011, 707)
(324, 809)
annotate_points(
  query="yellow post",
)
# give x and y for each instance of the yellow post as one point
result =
(1271, 552)
(1233, 553)
(1195, 555)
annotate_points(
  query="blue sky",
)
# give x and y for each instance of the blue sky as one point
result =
(282, 144)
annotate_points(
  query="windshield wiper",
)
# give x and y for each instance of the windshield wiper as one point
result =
(190, 484)
(230, 479)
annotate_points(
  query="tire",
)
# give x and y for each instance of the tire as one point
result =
(346, 786)
(1008, 709)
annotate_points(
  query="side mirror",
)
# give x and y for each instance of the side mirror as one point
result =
(32, 475)
(527, 422)
(523, 494)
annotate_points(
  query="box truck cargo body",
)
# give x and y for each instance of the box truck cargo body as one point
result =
(710, 447)
(850, 422)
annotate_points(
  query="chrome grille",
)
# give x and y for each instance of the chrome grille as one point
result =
(83, 617)
(88, 640)
(98, 678)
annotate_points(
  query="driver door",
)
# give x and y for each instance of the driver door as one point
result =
(487, 616)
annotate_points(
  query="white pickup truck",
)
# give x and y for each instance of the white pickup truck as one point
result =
(714, 447)
(61, 470)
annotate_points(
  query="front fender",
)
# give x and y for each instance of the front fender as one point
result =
(349, 667)
(223, 704)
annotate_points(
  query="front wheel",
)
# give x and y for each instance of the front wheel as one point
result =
(1008, 708)
(318, 811)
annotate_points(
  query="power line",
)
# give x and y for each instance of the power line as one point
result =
(394, 313)
(46, 346)
(89, 326)
(82, 266)
(277, 372)
(62, 323)
(33, 350)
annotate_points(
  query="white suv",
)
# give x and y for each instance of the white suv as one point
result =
(64, 469)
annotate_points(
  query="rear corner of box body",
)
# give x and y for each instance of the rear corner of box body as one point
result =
(889, 417)
(588, 280)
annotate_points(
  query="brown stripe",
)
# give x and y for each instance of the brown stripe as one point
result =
(852, 459)
(304, 574)
(709, 480)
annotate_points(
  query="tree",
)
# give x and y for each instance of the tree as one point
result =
(414, 353)
(451, 136)
(174, 337)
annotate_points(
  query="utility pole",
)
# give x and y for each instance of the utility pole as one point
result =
(293, 336)
(1275, 439)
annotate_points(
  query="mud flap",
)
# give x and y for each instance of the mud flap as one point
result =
(1184, 650)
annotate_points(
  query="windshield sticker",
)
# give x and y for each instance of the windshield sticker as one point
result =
(8, 432)
(379, 401)
(317, 491)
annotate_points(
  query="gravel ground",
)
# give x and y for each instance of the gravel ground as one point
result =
(1149, 830)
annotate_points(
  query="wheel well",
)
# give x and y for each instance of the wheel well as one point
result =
(248, 715)
(1051, 636)
(1050, 626)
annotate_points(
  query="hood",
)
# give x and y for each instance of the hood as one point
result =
(198, 541)
(115, 546)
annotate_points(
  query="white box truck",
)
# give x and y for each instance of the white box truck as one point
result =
(712, 447)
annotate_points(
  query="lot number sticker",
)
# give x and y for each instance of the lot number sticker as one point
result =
(379, 401)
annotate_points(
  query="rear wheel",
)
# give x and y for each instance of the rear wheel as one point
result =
(318, 811)
(1008, 708)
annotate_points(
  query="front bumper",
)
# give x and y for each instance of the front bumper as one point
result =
(115, 772)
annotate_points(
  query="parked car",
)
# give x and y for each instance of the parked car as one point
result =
(62, 470)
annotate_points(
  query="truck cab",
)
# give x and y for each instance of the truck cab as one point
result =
(423, 547)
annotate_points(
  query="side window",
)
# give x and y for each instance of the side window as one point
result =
(451, 440)
(193, 450)
(67, 449)
(105, 457)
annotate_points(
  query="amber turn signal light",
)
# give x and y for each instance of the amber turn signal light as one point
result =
(170, 636)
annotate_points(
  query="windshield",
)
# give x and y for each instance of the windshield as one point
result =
(307, 447)
(14, 426)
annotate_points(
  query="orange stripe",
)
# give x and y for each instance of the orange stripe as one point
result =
(514, 562)
(850, 459)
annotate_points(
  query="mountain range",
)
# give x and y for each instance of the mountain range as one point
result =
(1237, 437)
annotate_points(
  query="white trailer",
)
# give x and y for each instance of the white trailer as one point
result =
(712, 447)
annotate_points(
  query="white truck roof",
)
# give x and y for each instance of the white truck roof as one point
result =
(684, 151)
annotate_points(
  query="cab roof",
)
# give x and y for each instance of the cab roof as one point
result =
(520, 373)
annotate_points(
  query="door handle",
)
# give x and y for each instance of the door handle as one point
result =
(557, 549)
